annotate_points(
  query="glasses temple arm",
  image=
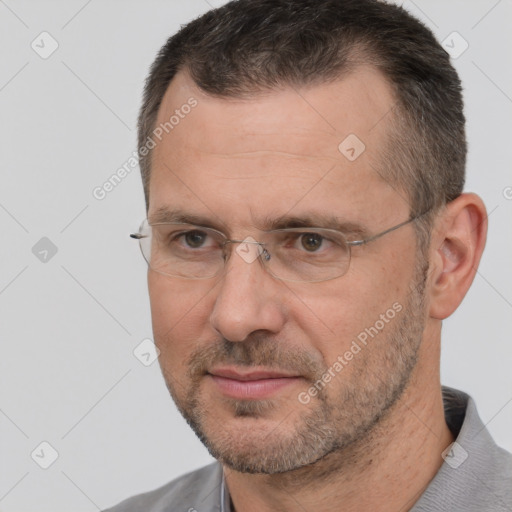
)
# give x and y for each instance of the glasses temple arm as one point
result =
(378, 235)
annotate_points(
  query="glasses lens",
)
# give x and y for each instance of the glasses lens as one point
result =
(298, 254)
(182, 250)
(308, 255)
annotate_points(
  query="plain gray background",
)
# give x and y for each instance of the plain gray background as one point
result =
(69, 325)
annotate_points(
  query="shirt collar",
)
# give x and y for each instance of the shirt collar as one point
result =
(225, 501)
(471, 436)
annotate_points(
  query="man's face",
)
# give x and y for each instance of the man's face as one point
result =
(239, 164)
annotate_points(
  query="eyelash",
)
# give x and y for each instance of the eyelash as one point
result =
(290, 237)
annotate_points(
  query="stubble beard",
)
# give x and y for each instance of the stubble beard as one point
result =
(330, 423)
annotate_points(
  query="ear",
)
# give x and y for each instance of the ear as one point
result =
(458, 240)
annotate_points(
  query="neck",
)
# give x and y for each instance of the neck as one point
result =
(387, 470)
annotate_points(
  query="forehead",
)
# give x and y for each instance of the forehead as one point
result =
(295, 144)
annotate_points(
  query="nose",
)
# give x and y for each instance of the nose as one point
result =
(248, 300)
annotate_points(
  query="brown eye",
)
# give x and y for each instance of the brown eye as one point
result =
(195, 238)
(311, 241)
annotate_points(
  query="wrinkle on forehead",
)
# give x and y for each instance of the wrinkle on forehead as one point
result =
(262, 152)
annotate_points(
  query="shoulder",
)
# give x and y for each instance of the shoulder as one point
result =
(187, 492)
(476, 474)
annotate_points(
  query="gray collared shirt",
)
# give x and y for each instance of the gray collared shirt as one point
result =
(475, 477)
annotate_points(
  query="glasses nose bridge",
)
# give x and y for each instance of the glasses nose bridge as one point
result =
(261, 252)
(248, 240)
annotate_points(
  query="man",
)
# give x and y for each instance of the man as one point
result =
(303, 166)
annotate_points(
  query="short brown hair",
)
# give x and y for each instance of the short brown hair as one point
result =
(248, 46)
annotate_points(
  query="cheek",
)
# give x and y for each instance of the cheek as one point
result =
(179, 312)
(334, 314)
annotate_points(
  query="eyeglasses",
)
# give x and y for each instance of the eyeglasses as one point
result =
(293, 254)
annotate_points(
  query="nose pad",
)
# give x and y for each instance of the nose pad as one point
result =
(248, 249)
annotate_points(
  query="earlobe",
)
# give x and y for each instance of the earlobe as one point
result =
(460, 240)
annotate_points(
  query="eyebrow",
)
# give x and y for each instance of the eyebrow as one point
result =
(317, 220)
(164, 215)
(267, 223)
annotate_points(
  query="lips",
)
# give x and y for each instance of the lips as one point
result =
(230, 373)
(254, 384)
